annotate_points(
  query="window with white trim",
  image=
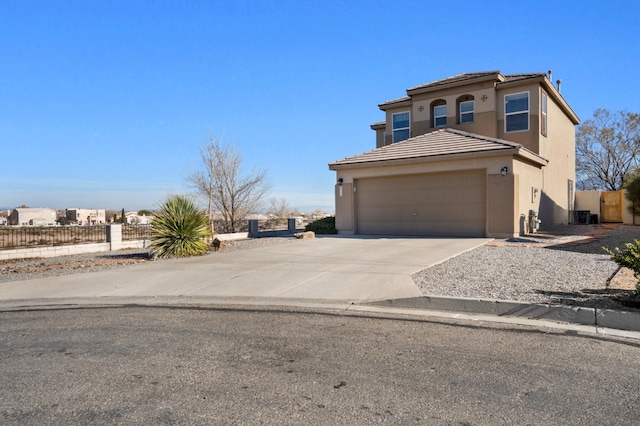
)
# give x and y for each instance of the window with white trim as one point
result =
(401, 126)
(543, 114)
(516, 112)
(439, 115)
(466, 112)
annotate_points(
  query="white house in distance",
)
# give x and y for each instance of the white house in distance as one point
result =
(32, 217)
(86, 216)
(133, 218)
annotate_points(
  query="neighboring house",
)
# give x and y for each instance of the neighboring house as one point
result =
(133, 218)
(32, 216)
(86, 216)
(3, 220)
(476, 154)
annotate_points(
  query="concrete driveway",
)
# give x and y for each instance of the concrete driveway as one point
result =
(353, 268)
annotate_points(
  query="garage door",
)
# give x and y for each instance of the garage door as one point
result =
(425, 204)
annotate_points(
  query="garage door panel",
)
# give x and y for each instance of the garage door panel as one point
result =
(428, 204)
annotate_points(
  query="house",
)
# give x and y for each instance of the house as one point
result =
(32, 216)
(476, 154)
(133, 218)
(86, 216)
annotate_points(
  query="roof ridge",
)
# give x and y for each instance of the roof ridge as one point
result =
(464, 74)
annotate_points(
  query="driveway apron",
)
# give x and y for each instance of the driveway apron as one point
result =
(356, 268)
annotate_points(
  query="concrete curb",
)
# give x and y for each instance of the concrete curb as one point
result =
(334, 307)
(605, 318)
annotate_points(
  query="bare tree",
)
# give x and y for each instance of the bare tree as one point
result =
(280, 208)
(607, 149)
(223, 185)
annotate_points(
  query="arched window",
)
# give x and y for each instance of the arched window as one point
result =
(439, 113)
(465, 109)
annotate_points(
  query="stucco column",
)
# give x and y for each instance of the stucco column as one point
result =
(114, 236)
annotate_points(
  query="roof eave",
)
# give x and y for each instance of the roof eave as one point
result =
(515, 151)
(497, 77)
(394, 103)
(553, 92)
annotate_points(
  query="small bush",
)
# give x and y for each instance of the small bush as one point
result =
(326, 225)
(628, 258)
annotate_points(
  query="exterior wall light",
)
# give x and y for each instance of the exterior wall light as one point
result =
(504, 171)
(340, 180)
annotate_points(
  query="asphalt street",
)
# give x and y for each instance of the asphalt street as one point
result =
(173, 365)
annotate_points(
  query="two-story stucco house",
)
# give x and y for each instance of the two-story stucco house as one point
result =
(476, 154)
(86, 216)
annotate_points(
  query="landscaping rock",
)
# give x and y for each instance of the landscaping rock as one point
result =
(305, 235)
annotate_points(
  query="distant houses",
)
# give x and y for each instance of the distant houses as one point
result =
(32, 217)
(133, 218)
(86, 216)
(25, 216)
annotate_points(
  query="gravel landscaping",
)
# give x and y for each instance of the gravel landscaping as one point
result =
(557, 267)
(564, 266)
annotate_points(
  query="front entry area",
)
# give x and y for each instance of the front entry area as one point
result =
(451, 203)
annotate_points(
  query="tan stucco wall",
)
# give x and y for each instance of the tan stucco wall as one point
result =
(530, 185)
(559, 148)
(484, 111)
(529, 138)
(492, 164)
(588, 200)
(502, 191)
(344, 205)
(380, 138)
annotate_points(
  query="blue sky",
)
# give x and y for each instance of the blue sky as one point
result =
(105, 104)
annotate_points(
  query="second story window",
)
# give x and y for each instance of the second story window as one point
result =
(401, 126)
(543, 114)
(439, 115)
(466, 112)
(516, 112)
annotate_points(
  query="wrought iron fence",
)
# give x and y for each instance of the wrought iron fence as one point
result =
(31, 236)
(136, 232)
(13, 237)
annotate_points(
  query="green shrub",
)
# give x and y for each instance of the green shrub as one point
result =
(180, 229)
(628, 258)
(326, 225)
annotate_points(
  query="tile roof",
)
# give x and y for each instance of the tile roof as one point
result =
(455, 79)
(439, 143)
(514, 77)
(397, 100)
(461, 78)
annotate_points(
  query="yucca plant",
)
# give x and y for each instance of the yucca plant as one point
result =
(179, 229)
